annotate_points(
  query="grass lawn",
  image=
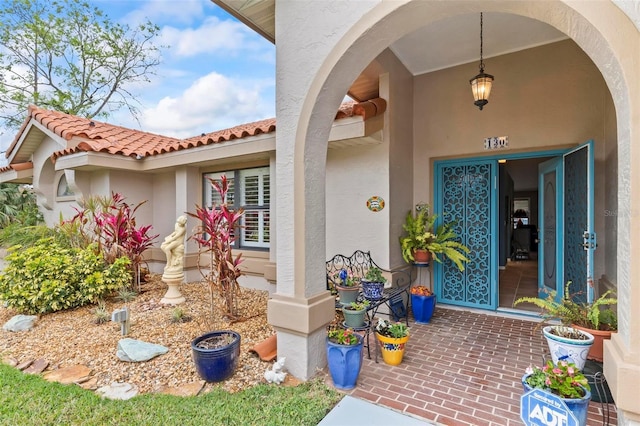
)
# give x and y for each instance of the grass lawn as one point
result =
(30, 400)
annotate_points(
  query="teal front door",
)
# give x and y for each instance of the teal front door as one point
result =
(567, 236)
(466, 193)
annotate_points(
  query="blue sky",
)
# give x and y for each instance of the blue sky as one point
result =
(216, 72)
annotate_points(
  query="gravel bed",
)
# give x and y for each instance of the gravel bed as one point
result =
(73, 337)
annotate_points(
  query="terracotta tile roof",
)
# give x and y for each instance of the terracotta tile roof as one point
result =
(17, 167)
(104, 137)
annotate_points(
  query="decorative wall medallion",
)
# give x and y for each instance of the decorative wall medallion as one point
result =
(375, 203)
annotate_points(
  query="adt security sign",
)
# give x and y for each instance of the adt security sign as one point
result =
(541, 408)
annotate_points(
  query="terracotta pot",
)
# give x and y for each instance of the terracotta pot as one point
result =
(421, 256)
(596, 351)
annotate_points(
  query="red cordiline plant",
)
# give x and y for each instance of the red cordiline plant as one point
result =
(111, 223)
(215, 236)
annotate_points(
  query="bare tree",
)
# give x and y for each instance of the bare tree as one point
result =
(69, 56)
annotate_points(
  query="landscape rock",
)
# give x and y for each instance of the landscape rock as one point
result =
(20, 323)
(37, 367)
(67, 375)
(24, 364)
(10, 361)
(90, 384)
(121, 391)
(190, 389)
(131, 350)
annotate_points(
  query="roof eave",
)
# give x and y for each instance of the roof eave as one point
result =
(17, 176)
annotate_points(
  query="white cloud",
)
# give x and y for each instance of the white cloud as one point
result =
(159, 11)
(213, 35)
(212, 103)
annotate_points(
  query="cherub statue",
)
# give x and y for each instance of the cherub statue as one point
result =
(173, 247)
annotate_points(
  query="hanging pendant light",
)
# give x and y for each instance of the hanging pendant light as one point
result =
(481, 83)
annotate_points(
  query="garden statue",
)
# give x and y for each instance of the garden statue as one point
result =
(173, 248)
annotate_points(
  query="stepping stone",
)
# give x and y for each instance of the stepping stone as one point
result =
(10, 361)
(131, 350)
(67, 375)
(91, 384)
(190, 389)
(20, 323)
(24, 364)
(120, 391)
(38, 366)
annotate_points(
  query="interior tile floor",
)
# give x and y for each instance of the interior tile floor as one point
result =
(519, 279)
(463, 368)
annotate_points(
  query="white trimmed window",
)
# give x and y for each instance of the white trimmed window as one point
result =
(63, 190)
(250, 189)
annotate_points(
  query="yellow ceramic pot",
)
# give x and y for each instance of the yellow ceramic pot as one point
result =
(392, 348)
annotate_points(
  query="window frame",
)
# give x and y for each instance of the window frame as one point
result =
(237, 176)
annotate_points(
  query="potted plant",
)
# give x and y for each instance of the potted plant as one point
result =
(597, 319)
(420, 235)
(423, 303)
(355, 314)
(565, 380)
(348, 286)
(216, 353)
(373, 283)
(414, 242)
(393, 338)
(344, 356)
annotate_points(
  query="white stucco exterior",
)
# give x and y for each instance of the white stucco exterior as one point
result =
(343, 38)
(547, 97)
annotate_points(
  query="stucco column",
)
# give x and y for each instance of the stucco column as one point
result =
(301, 306)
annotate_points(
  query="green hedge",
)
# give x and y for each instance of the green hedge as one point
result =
(47, 277)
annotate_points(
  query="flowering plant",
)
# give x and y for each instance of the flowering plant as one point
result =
(342, 336)
(421, 290)
(347, 279)
(389, 329)
(563, 379)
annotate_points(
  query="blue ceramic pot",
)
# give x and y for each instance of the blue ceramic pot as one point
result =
(372, 290)
(344, 362)
(217, 364)
(578, 406)
(422, 307)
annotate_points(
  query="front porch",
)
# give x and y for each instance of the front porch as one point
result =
(463, 368)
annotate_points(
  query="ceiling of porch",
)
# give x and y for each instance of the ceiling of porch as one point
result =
(443, 44)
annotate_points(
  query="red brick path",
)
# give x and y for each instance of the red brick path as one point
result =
(463, 368)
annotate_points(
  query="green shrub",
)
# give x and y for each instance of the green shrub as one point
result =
(47, 277)
(17, 233)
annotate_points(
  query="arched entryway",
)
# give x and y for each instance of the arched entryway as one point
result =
(315, 71)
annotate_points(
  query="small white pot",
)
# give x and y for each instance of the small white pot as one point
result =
(570, 350)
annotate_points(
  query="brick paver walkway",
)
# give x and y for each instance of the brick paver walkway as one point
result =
(463, 368)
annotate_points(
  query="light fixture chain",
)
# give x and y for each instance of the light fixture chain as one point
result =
(481, 43)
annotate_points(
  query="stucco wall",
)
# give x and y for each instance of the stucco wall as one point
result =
(396, 86)
(543, 97)
(355, 174)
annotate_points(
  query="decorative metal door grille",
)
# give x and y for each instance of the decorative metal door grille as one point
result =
(466, 197)
(576, 216)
